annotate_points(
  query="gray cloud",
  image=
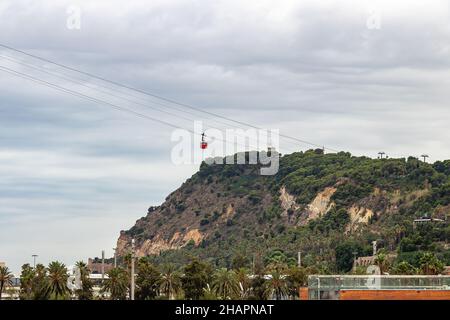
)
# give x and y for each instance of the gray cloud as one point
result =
(79, 172)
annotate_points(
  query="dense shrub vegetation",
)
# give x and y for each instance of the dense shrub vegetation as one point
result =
(397, 191)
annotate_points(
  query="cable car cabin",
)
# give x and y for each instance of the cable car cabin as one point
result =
(203, 144)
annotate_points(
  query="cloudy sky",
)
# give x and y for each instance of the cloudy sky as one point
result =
(359, 76)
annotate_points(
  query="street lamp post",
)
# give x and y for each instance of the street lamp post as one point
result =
(34, 260)
(115, 258)
(355, 253)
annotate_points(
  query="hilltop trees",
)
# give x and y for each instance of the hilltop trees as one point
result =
(328, 206)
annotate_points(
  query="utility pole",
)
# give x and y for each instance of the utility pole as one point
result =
(103, 265)
(424, 156)
(115, 257)
(132, 270)
(34, 260)
(354, 259)
(299, 259)
(381, 154)
(253, 265)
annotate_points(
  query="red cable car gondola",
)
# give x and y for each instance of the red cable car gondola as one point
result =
(203, 144)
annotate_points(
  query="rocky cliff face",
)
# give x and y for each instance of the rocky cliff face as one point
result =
(224, 207)
(191, 214)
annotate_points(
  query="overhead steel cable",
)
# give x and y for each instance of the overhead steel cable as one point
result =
(90, 87)
(111, 92)
(100, 101)
(160, 97)
(81, 95)
(112, 82)
(67, 77)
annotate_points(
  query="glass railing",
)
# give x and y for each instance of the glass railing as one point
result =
(329, 285)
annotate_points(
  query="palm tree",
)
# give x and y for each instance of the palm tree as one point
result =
(127, 262)
(430, 264)
(245, 285)
(5, 279)
(225, 284)
(85, 292)
(258, 288)
(40, 283)
(209, 293)
(296, 277)
(170, 281)
(196, 276)
(116, 284)
(277, 285)
(400, 231)
(148, 280)
(403, 268)
(26, 282)
(382, 261)
(57, 280)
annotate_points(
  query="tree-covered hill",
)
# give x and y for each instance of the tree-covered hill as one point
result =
(328, 206)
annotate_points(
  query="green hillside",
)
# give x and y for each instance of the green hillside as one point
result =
(328, 206)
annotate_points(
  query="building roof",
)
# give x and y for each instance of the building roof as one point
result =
(428, 220)
(446, 271)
